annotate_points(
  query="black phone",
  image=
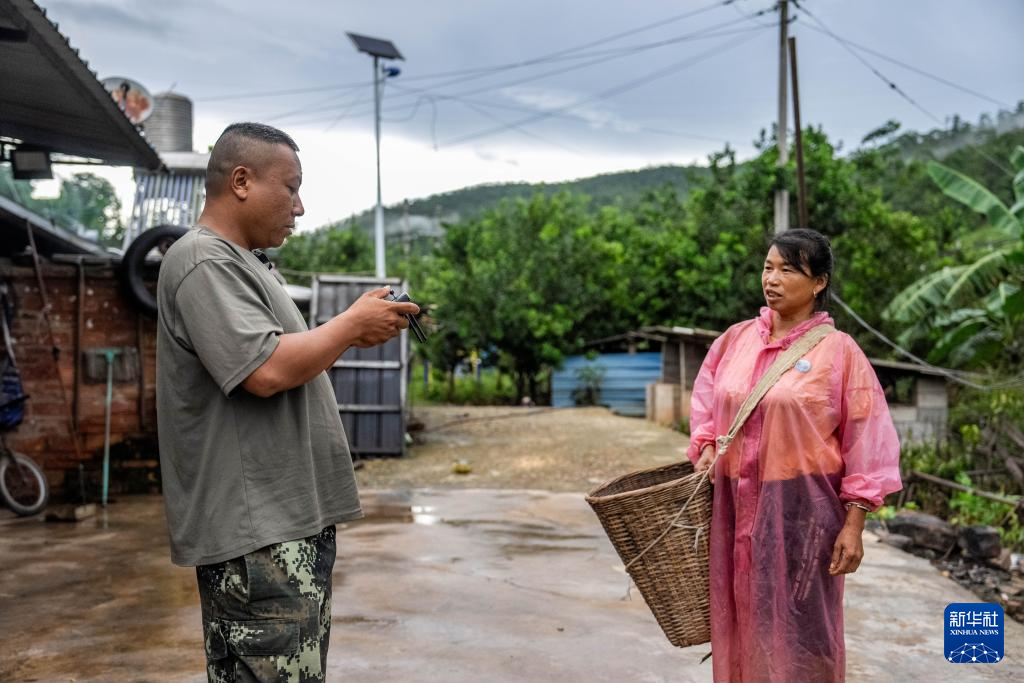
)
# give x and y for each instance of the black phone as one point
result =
(421, 337)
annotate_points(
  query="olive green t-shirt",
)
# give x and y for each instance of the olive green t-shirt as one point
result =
(239, 472)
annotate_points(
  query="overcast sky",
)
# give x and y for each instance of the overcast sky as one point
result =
(699, 74)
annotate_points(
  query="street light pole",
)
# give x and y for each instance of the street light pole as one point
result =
(378, 216)
(378, 48)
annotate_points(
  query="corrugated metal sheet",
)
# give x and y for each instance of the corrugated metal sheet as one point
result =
(370, 384)
(624, 386)
(173, 197)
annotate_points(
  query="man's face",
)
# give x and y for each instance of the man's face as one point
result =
(273, 202)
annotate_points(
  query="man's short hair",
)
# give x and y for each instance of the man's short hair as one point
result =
(241, 144)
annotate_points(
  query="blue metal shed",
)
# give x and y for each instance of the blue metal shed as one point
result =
(624, 386)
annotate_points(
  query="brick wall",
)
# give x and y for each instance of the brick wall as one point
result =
(108, 319)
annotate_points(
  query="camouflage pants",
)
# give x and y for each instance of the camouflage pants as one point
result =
(267, 614)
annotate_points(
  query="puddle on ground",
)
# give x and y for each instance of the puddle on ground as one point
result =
(533, 549)
(382, 512)
(513, 538)
(360, 620)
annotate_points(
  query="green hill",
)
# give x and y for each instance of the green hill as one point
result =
(968, 147)
(425, 217)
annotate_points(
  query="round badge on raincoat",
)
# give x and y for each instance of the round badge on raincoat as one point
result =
(803, 365)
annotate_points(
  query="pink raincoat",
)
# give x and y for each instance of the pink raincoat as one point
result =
(820, 437)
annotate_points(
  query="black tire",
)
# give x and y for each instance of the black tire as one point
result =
(23, 485)
(134, 266)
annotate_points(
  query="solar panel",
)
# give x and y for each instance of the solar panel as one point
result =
(378, 47)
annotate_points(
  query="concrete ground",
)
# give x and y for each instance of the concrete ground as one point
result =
(436, 585)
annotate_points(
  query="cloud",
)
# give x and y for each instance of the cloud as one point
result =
(113, 17)
(551, 100)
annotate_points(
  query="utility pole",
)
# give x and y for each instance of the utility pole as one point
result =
(801, 198)
(782, 194)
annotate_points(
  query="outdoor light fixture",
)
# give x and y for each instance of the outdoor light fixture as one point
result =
(379, 49)
(31, 164)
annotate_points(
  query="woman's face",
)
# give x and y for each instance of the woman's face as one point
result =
(787, 290)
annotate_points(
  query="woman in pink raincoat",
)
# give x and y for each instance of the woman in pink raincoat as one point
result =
(792, 491)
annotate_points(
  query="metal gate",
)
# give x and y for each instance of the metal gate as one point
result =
(370, 384)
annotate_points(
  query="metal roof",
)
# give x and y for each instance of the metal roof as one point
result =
(49, 238)
(50, 98)
(910, 368)
(661, 334)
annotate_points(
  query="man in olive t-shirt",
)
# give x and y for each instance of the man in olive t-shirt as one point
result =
(255, 464)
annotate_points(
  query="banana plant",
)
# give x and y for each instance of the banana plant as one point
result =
(977, 307)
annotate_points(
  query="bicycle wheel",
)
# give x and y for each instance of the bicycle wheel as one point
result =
(23, 484)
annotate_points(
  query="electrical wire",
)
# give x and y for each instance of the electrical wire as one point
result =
(955, 375)
(910, 67)
(479, 70)
(598, 58)
(893, 86)
(555, 56)
(533, 110)
(617, 90)
(282, 93)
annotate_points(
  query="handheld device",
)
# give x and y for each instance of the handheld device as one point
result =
(421, 337)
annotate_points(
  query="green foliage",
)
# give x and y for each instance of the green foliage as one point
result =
(885, 512)
(683, 426)
(973, 312)
(626, 189)
(86, 202)
(493, 388)
(589, 392)
(331, 249)
(532, 280)
(969, 509)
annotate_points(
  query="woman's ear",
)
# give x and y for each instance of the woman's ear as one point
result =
(821, 282)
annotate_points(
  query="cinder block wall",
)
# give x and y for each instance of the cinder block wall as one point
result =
(109, 319)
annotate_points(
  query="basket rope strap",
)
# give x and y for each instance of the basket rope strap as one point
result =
(786, 360)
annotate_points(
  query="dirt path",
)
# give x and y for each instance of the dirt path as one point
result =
(569, 449)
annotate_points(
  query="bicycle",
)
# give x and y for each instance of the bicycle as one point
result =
(23, 486)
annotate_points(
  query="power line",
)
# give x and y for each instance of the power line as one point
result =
(892, 85)
(619, 89)
(885, 79)
(910, 67)
(954, 375)
(281, 93)
(533, 110)
(480, 70)
(602, 56)
(518, 128)
(553, 56)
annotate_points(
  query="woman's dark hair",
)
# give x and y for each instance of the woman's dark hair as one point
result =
(805, 250)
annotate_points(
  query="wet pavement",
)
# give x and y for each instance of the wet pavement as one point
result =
(454, 586)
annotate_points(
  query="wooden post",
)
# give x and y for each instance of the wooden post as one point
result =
(801, 197)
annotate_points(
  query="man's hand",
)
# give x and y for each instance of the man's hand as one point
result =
(848, 550)
(375, 320)
(707, 455)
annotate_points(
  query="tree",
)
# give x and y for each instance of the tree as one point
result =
(86, 202)
(330, 249)
(531, 281)
(977, 307)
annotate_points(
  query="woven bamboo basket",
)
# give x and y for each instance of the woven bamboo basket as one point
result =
(672, 575)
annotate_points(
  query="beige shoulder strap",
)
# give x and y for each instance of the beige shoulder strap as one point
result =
(784, 362)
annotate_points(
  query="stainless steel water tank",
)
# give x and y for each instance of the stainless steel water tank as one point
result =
(169, 128)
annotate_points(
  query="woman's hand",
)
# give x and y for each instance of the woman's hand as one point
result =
(848, 550)
(707, 455)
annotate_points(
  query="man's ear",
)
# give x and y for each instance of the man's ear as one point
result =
(240, 181)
